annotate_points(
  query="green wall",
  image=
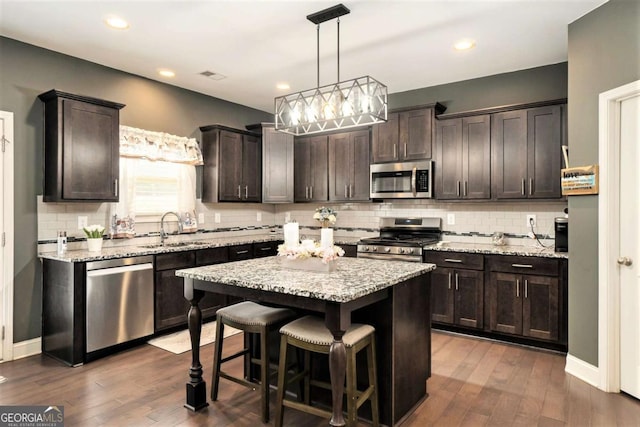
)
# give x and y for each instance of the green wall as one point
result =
(604, 53)
(25, 72)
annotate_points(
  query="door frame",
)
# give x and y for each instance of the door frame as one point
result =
(8, 229)
(609, 234)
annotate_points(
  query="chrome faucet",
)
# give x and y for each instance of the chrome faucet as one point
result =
(163, 234)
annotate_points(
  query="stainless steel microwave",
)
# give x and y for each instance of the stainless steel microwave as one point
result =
(404, 180)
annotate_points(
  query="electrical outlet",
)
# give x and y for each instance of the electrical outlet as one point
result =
(531, 220)
(201, 218)
(259, 216)
(82, 222)
(287, 216)
(451, 219)
(216, 218)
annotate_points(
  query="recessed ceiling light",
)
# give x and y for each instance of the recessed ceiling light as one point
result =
(283, 86)
(166, 73)
(465, 44)
(117, 23)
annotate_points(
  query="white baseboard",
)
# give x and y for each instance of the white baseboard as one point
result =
(27, 348)
(583, 370)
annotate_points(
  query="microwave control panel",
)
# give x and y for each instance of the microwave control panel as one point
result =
(422, 180)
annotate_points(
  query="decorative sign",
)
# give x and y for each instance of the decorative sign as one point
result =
(580, 180)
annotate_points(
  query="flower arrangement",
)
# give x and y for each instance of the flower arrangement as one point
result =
(94, 231)
(309, 249)
(325, 216)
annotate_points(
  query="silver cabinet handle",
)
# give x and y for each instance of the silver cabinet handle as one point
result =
(458, 188)
(239, 196)
(395, 151)
(115, 185)
(530, 186)
(246, 191)
(350, 191)
(242, 252)
(465, 188)
(457, 261)
(526, 288)
(405, 150)
(311, 192)
(522, 187)
(518, 288)
(449, 281)
(346, 195)
(306, 192)
(456, 281)
(265, 249)
(626, 261)
(521, 265)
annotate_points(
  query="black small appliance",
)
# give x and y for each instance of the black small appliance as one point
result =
(562, 234)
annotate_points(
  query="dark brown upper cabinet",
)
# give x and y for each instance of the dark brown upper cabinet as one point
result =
(81, 148)
(526, 148)
(311, 170)
(406, 135)
(232, 165)
(463, 158)
(277, 166)
(349, 159)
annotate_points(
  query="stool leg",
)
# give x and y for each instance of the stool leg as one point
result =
(352, 379)
(307, 377)
(264, 374)
(372, 367)
(217, 357)
(282, 384)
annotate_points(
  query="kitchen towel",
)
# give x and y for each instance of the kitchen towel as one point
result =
(180, 342)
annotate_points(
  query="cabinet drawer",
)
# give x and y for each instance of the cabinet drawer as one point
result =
(455, 260)
(262, 249)
(212, 256)
(524, 265)
(239, 252)
(175, 260)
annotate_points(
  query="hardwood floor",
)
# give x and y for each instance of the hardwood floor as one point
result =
(474, 383)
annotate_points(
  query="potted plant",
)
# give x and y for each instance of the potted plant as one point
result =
(94, 237)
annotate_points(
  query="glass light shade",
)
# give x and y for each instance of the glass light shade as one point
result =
(347, 104)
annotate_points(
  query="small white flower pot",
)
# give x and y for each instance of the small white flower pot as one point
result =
(95, 245)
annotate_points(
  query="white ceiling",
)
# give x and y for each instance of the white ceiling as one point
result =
(258, 43)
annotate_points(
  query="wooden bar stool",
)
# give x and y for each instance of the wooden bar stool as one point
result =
(310, 334)
(254, 318)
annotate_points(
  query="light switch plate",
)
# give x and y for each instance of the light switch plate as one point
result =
(216, 218)
(82, 222)
(287, 216)
(259, 216)
(201, 218)
(531, 220)
(451, 219)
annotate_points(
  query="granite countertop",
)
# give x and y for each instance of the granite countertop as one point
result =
(489, 249)
(84, 255)
(352, 279)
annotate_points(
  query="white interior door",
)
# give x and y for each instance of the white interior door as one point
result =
(6, 236)
(629, 257)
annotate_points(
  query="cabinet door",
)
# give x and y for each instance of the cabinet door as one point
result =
(509, 154)
(360, 178)
(385, 139)
(415, 134)
(263, 249)
(277, 166)
(544, 139)
(230, 167)
(171, 307)
(90, 152)
(318, 169)
(476, 157)
(301, 169)
(448, 167)
(251, 168)
(505, 303)
(469, 302)
(340, 166)
(240, 252)
(442, 297)
(540, 307)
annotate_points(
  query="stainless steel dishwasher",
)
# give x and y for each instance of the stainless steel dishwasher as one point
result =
(119, 301)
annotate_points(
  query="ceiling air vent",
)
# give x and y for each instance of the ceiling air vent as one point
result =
(212, 75)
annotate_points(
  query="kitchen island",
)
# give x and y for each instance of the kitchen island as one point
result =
(392, 296)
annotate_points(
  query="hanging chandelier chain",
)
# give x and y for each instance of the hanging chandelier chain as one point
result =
(338, 49)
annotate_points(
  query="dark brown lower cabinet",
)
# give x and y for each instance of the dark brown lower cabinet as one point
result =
(526, 298)
(171, 307)
(457, 293)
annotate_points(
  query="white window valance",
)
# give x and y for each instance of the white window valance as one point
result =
(140, 143)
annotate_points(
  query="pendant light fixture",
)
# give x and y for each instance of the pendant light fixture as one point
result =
(350, 103)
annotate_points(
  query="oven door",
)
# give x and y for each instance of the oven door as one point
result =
(407, 180)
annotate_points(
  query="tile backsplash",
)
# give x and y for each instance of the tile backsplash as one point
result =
(472, 221)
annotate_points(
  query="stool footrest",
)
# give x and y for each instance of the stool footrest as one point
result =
(308, 409)
(240, 381)
(235, 355)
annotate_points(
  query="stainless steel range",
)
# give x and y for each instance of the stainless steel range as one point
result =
(401, 239)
